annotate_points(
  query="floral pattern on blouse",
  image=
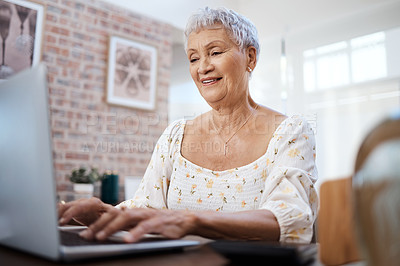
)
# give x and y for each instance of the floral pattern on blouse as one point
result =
(281, 181)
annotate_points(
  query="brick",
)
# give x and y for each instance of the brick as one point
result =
(63, 21)
(77, 156)
(80, 6)
(97, 12)
(53, 9)
(59, 30)
(58, 134)
(68, 3)
(51, 18)
(119, 18)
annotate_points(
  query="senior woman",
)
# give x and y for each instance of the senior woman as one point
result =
(239, 171)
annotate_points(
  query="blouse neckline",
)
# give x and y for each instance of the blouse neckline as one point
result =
(182, 129)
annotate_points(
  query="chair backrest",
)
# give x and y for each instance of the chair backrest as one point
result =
(336, 234)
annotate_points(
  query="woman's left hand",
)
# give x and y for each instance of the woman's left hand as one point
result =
(140, 221)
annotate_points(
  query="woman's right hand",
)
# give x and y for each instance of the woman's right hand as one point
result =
(83, 211)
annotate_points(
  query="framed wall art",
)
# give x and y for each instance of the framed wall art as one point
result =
(132, 73)
(21, 28)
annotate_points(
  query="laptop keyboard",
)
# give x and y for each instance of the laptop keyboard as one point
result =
(72, 238)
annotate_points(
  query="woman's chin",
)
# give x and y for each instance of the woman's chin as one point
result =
(213, 98)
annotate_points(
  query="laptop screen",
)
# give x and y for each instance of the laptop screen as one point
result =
(28, 217)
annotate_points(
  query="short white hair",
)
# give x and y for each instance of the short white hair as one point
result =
(241, 30)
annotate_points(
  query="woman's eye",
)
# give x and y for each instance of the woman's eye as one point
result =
(216, 53)
(192, 60)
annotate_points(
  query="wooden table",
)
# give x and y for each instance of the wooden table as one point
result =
(196, 256)
(200, 255)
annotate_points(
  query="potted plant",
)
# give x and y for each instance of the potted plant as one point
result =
(83, 180)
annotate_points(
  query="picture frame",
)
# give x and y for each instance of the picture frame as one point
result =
(21, 31)
(132, 73)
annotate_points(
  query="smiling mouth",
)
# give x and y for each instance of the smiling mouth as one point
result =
(210, 81)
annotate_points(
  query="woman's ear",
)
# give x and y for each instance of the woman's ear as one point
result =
(251, 57)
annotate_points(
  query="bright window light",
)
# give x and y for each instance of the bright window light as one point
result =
(331, 48)
(309, 76)
(344, 63)
(333, 70)
(368, 57)
(367, 40)
(309, 53)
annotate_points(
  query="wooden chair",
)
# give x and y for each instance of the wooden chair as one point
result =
(336, 234)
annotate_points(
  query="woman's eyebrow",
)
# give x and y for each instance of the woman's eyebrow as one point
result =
(214, 44)
(208, 45)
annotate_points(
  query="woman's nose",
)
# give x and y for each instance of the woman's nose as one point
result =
(205, 66)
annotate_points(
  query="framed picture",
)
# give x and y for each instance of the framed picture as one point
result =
(132, 73)
(21, 27)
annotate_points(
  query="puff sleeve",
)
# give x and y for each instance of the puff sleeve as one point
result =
(289, 191)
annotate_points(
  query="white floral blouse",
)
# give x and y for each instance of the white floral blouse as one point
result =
(281, 181)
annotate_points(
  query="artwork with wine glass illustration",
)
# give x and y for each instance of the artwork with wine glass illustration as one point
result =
(20, 35)
(132, 71)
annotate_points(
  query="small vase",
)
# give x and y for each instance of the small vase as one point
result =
(83, 190)
(109, 189)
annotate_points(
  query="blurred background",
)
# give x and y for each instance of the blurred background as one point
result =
(337, 62)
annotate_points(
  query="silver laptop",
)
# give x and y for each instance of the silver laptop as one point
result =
(28, 208)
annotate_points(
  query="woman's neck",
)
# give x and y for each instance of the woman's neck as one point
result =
(226, 118)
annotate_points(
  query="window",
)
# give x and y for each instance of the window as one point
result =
(368, 57)
(346, 62)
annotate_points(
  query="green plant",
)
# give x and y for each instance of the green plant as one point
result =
(81, 176)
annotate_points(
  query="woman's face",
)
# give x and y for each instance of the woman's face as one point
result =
(217, 66)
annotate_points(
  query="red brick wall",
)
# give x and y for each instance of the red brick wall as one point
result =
(86, 130)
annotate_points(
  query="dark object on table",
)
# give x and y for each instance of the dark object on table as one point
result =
(109, 188)
(266, 253)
